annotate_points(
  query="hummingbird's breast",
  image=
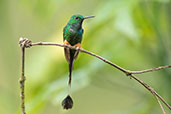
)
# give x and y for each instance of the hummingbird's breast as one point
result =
(75, 36)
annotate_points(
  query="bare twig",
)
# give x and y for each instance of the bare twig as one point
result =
(82, 50)
(22, 78)
(150, 70)
(160, 104)
(127, 72)
(151, 90)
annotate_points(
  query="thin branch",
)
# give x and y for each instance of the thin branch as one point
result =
(150, 70)
(127, 72)
(160, 104)
(81, 50)
(151, 90)
(162, 100)
(154, 93)
(22, 78)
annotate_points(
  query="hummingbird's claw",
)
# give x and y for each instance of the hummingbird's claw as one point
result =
(77, 48)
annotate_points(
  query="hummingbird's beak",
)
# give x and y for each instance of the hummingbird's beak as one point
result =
(89, 17)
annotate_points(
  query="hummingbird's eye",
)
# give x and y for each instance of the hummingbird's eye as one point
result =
(76, 18)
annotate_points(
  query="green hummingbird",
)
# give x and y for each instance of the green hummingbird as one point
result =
(72, 36)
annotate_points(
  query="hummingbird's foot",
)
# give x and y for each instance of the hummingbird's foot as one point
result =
(77, 46)
(67, 43)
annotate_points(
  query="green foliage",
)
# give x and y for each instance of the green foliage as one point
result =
(135, 34)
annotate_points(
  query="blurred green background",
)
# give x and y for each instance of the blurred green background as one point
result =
(135, 34)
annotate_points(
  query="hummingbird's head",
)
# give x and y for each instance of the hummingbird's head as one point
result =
(77, 20)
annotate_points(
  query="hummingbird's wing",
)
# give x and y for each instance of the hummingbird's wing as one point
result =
(76, 54)
(66, 50)
(67, 54)
(64, 33)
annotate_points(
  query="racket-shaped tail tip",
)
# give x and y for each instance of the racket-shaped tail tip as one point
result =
(67, 103)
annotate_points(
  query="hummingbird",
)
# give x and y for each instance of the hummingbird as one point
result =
(72, 36)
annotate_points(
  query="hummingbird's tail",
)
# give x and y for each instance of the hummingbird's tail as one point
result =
(70, 72)
(71, 61)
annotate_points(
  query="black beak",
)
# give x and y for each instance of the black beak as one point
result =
(89, 17)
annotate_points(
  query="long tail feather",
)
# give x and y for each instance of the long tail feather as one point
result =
(71, 65)
(70, 72)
